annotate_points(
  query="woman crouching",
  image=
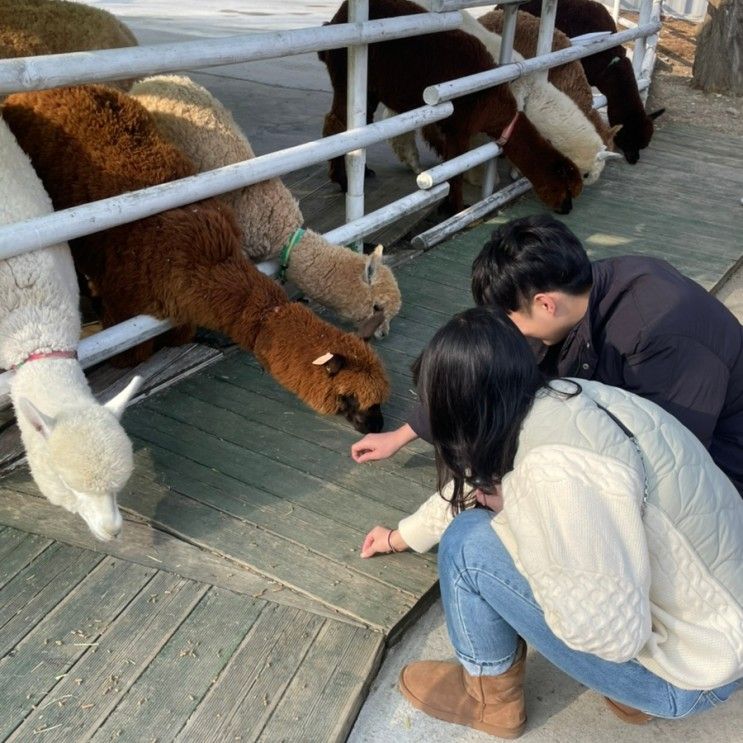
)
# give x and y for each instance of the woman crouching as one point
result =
(577, 518)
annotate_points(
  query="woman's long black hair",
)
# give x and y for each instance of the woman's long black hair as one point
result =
(477, 378)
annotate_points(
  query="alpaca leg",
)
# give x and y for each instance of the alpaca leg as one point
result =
(455, 145)
(335, 123)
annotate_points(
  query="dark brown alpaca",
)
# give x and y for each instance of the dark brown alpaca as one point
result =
(186, 264)
(610, 71)
(399, 70)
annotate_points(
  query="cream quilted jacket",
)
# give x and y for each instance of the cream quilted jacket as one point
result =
(664, 587)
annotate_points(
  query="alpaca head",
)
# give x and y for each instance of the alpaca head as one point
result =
(82, 458)
(371, 297)
(635, 134)
(333, 372)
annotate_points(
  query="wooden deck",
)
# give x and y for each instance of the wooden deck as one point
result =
(236, 607)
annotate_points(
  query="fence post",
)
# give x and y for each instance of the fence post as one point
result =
(546, 32)
(358, 11)
(638, 51)
(508, 33)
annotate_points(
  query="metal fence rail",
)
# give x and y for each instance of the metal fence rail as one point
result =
(33, 73)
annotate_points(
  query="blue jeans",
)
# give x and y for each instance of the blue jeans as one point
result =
(488, 605)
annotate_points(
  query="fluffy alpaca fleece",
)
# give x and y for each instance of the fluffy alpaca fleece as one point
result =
(568, 78)
(29, 28)
(610, 71)
(186, 264)
(355, 286)
(79, 455)
(555, 115)
(400, 69)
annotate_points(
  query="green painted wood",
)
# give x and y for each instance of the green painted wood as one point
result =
(307, 457)
(372, 602)
(38, 588)
(243, 697)
(156, 707)
(17, 550)
(88, 693)
(53, 646)
(288, 520)
(323, 698)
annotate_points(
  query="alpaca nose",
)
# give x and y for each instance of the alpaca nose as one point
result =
(369, 421)
(632, 156)
(566, 205)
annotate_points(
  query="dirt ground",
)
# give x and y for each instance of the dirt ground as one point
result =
(671, 85)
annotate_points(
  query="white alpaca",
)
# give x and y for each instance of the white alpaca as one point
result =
(554, 114)
(359, 288)
(77, 450)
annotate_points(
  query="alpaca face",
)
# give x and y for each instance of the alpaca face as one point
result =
(377, 298)
(635, 134)
(82, 459)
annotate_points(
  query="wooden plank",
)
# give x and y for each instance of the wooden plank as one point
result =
(323, 698)
(291, 521)
(38, 588)
(142, 544)
(194, 656)
(321, 464)
(83, 698)
(335, 585)
(49, 650)
(245, 694)
(17, 550)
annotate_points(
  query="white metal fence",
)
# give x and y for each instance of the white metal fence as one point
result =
(34, 73)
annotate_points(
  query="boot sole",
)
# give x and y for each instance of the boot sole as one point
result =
(499, 732)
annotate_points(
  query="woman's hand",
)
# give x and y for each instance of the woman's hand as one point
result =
(381, 541)
(376, 446)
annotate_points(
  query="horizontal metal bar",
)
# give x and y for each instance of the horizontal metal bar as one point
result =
(482, 80)
(67, 224)
(439, 6)
(441, 231)
(53, 70)
(385, 215)
(457, 165)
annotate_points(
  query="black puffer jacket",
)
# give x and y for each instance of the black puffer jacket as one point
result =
(654, 332)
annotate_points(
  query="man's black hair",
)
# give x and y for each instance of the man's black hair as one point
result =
(527, 256)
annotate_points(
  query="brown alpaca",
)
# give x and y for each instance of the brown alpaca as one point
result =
(610, 71)
(399, 70)
(29, 28)
(569, 78)
(186, 264)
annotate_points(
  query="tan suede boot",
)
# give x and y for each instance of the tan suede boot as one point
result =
(493, 704)
(628, 714)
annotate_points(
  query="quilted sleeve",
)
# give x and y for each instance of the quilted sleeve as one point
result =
(423, 528)
(575, 521)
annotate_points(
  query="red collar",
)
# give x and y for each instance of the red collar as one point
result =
(39, 355)
(507, 132)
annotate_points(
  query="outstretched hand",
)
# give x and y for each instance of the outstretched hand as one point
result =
(375, 446)
(381, 541)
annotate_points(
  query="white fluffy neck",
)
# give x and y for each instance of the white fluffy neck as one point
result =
(52, 385)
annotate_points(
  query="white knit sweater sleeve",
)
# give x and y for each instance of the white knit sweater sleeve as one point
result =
(573, 524)
(423, 529)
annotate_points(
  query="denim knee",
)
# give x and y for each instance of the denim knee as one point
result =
(465, 535)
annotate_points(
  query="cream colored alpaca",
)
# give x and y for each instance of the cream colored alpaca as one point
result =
(554, 114)
(78, 452)
(359, 288)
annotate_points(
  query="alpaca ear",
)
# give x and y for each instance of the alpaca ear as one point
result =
(41, 422)
(117, 405)
(657, 113)
(373, 262)
(332, 362)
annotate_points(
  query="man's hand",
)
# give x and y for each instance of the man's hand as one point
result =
(381, 541)
(375, 446)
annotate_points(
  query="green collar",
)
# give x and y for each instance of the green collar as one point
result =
(286, 251)
(613, 61)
